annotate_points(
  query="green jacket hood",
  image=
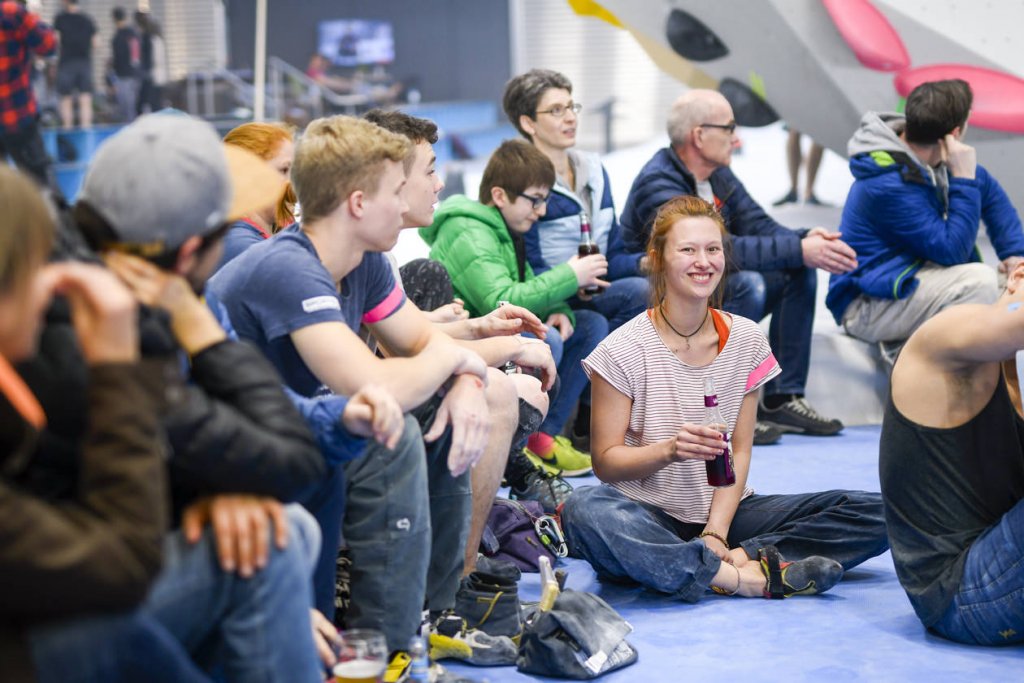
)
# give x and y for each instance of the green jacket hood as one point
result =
(461, 206)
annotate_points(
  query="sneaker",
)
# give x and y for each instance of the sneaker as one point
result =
(797, 415)
(439, 674)
(398, 668)
(789, 198)
(342, 586)
(451, 638)
(766, 434)
(809, 576)
(564, 459)
(529, 481)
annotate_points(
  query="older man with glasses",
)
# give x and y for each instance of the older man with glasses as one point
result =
(775, 267)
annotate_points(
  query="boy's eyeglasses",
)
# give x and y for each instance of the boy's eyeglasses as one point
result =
(536, 201)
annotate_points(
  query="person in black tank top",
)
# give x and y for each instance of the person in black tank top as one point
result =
(951, 466)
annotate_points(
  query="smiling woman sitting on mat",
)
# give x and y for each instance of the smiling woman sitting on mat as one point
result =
(656, 521)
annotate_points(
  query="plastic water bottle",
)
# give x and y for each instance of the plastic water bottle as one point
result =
(419, 666)
(720, 470)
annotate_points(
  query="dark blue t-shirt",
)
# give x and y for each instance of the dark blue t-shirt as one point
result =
(279, 286)
(240, 236)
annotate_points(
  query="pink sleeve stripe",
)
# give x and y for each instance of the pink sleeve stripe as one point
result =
(392, 302)
(767, 366)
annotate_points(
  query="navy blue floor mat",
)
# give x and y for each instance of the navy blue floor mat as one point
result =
(863, 629)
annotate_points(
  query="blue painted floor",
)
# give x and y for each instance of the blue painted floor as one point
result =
(863, 629)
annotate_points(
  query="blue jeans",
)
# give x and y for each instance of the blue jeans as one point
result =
(624, 300)
(254, 629)
(789, 295)
(110, 649)
(988, 609)
(629, 541)
(326, 502)
(590, 329)
(406, 524)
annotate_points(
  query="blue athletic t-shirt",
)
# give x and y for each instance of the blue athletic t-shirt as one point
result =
(279, 286)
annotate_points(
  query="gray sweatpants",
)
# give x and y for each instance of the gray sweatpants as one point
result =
(894, 320)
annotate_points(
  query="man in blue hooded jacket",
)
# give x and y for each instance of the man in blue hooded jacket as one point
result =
(913, 214)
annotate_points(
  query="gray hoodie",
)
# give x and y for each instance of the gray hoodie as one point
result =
(880, 132)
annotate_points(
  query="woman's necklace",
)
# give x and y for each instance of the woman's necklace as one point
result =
(664, 317)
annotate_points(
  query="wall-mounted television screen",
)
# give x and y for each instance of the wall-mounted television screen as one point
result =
(356, 42)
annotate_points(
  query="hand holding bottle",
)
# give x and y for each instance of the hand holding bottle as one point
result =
(587, 248)
(721, 472)
(698, 442)
(589, 270)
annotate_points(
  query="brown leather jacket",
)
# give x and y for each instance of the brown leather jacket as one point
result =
(100, 550)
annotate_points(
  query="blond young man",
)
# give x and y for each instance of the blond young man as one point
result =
(494, 336)
(302, 297)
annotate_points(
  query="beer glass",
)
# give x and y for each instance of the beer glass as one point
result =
(362, 657)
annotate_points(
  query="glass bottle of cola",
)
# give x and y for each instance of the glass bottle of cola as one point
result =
(720, 471)
(587, 247)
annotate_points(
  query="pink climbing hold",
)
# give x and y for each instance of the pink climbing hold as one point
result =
(998, 96)
(869, 34)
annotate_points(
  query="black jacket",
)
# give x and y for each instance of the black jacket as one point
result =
(234, 430)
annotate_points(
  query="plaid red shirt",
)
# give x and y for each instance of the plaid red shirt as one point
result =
(21, 33)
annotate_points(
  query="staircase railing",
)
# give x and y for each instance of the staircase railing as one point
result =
(290, 86)
(200, 91)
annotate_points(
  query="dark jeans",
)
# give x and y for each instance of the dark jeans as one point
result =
(112, 649)
(624, 300)
(326, 502)
(27, 151)
(590, 329)
(406, 524)
(626, 540)
(789, 295)
(988, 609)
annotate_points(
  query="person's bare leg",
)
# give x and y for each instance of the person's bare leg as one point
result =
(67, 113)
(85, 109)
(530, 390)
(486, 475)
(813, 162)
(793, 158)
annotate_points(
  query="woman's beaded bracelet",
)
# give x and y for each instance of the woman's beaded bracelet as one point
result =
(715, 534)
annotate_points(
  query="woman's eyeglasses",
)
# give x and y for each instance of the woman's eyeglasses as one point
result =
(560, 110)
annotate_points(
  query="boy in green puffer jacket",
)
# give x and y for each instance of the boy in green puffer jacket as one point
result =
(481, 245)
